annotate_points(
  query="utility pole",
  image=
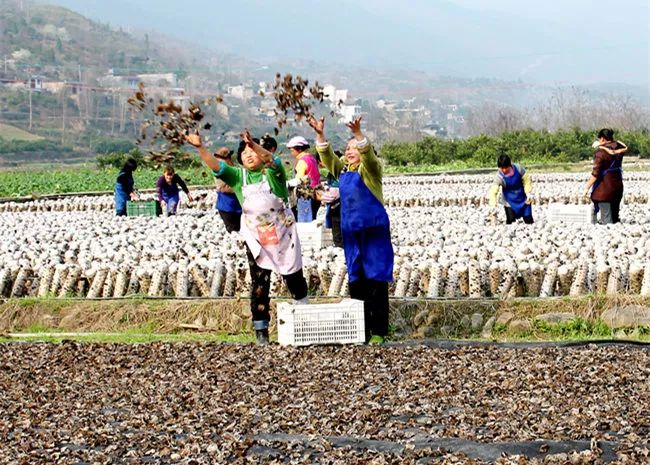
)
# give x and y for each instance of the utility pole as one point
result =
(30, 106)
(113, 115)
(63, 115)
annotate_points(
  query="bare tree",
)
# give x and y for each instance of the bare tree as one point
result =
(566, 108)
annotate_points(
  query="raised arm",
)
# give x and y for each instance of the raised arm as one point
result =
(620, 151)
(324, 148)
(208, 159)
(265, 155)
(368, 157)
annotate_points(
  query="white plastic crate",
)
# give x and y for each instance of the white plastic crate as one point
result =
(302, 325)
(570, 213)
(313, 235)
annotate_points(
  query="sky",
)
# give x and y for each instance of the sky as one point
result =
(569, 41)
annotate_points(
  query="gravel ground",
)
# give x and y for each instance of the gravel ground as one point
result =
(74, 403)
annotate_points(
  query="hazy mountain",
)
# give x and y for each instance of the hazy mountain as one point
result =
(436, 36)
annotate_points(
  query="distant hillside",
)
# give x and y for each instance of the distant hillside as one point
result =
(57, 42)
(12, 133)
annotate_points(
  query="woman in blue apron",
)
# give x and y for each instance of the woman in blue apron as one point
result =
(365, 226)
(227, 203)
(124, 186)
(516, 186)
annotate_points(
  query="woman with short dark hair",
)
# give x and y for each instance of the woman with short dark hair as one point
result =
(605, 186)
(267, 225)
(168, 188)
(516, 186)
(125, 186)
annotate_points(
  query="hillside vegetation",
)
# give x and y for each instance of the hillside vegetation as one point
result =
(12, 133)
(57, 41)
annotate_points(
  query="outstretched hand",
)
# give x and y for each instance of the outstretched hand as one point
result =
(194, 139)
(318, 125)
(355, 126)
(246, 137)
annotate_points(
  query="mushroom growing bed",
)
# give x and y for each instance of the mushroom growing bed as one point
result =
(447, 241)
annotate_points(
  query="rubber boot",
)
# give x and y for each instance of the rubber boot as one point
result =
(261, 331)
(262, 336)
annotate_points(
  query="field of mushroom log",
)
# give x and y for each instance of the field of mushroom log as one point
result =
(446, 240)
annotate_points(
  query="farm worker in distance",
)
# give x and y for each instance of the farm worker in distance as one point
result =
(331, 198)
(306, 167)
(267, 226)
(125, 186)
(606, 181)
(168, 189)
(516, 186)
(227, 203)
(364, 224)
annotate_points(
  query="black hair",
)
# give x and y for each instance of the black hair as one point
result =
(242, 146)
(504, 161)
(301, 148)
(130, 165)
(607, 134)
(269, 143)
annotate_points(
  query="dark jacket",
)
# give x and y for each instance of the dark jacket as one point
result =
(170, 190)
(125, 180)
(607, 168)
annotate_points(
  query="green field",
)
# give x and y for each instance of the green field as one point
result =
(12, 133)
(42, 181)
(18, 183)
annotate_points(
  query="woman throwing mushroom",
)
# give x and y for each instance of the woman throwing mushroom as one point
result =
(267, 225)
(364, 224)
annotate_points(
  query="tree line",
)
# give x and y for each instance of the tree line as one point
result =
(526, 145)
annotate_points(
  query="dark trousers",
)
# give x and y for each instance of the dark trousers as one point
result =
(616, 208)
(261, 285)
(374, 295)
(335, 219)
(315, 205)
(231, 220)
(510, 217)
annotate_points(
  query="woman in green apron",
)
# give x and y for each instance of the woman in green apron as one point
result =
(268, 225)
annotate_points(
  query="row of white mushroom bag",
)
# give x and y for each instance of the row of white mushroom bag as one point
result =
(399, 191)
(451, 252)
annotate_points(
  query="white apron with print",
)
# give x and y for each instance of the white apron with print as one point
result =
(269, 228)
